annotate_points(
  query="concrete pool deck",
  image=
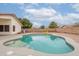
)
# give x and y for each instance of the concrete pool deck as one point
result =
(24, 51)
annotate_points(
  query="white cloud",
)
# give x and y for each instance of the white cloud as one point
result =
(36, 24)
(68, 19)
(71, 18)
(41, 13)
(75, 6)
(73, 15)
(52, 15)
(58, 18)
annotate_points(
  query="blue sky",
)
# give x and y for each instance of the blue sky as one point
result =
(43, 13)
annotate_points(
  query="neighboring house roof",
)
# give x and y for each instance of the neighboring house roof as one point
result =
(13, 15)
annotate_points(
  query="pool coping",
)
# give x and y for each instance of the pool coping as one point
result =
(20, 51)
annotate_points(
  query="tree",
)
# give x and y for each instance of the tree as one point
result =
(25, 23)
(53, 25)
(42, 27)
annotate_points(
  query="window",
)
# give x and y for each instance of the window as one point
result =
(13, 28)
(6, 28)
(1, 28)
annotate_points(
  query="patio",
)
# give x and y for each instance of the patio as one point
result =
(24, 51)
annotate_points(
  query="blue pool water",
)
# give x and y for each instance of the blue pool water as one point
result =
(45, 43)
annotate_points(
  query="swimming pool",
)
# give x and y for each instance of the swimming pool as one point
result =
(45, 43)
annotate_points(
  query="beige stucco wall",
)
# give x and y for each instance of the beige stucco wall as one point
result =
(17, 26)
(9, 20)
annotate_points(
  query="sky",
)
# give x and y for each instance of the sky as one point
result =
(44, 13)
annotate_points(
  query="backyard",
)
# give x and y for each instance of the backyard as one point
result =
(39, 30)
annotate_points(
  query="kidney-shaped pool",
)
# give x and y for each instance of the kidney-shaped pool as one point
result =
(46, 43)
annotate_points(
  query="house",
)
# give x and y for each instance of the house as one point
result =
(9, 24)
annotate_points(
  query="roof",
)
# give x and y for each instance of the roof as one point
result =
(13, 15)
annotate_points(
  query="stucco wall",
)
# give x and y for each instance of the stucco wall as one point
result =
(17, 26)
(9, 20)
(5, 21)
(73, 30)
